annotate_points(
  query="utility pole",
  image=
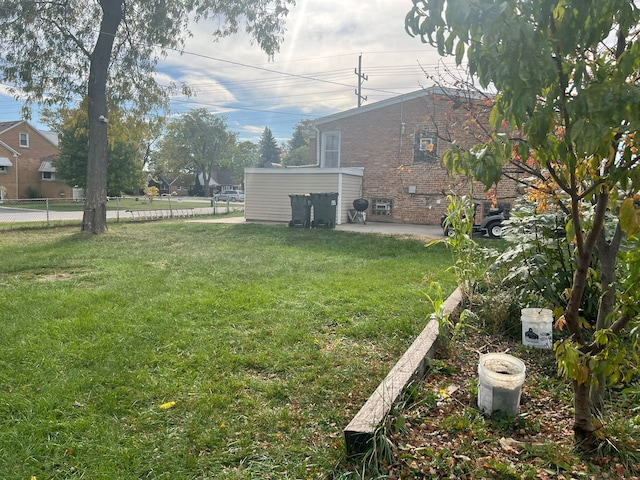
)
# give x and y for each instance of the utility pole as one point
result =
(361, 77)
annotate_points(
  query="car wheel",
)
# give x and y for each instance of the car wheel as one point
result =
(450, 233)
(495, 230)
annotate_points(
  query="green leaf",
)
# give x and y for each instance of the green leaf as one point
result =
(459, 52)
(629, 217)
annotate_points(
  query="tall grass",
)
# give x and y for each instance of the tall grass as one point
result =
(182, 350)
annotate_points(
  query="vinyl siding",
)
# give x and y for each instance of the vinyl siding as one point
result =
(267, 190)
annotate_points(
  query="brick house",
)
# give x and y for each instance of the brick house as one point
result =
(26, 163)
(399, 143)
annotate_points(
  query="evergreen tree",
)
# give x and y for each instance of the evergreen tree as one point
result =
(269, 150)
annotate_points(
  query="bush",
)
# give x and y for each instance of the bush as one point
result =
(33, 192)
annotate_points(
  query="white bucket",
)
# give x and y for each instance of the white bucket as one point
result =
(537, 327)
(500, 383)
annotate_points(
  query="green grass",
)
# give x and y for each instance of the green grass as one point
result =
(268, 339)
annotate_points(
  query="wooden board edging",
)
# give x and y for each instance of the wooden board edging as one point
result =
(360, 431)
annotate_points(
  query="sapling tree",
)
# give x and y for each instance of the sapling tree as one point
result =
(58, 52)
(566, 73)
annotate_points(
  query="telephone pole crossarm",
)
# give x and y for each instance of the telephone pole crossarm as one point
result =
(361, 78)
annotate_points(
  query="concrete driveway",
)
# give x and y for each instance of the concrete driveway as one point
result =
(428, 232)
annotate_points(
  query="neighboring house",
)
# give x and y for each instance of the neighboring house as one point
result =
(26, 163)
(166, 186)
(221, 180)
(396, 145)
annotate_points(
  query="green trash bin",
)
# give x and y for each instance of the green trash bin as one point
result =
(300, 210)
(324, 209)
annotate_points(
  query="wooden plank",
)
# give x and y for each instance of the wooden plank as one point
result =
(360, 431)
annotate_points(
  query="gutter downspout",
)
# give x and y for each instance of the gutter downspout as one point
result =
(15, 160)
(318, 141)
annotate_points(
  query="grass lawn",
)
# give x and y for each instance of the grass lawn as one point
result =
(182, 350)
(124, 203)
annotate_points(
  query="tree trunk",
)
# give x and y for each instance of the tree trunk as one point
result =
(582, 421)
(585, 437)
(95, 206)
(607, 254)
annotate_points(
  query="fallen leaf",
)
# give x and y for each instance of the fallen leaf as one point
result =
(167, 405)
(510, 445)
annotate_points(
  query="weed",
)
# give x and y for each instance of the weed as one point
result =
(462, 422)
(437, 366)
(449, 328)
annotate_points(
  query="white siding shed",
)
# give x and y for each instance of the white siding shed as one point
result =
(267, 190)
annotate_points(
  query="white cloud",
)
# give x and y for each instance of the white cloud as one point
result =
(313, 74)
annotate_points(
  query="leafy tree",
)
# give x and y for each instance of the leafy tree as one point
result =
(243, 155)
(301, 133)
(299, 156)
(298, 146)
(56, 52)
(124, 172)
(566, 73)
(198, 143)
(269, 151)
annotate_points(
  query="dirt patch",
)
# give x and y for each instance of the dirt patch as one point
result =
(440, 433)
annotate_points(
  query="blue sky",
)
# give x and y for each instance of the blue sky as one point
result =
(313, 75)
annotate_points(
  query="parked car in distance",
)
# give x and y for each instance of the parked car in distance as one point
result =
(230, 195)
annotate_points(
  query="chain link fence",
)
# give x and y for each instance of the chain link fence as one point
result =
(47, 212)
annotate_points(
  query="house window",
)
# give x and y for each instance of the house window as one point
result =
(331, 149)
(3, 169)
(425, 146)
(381, 206)
(47, 171)
(24, 140)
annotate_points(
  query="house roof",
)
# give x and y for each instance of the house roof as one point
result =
(5, 162)
(4, 126)
(423, 92)
(223, 177)
(51, 137)
(47, 167)
(12, 150)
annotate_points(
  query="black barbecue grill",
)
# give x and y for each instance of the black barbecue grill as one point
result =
(358, 213)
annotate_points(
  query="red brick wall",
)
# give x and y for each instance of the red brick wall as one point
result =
(29, 160)
(377, 140)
